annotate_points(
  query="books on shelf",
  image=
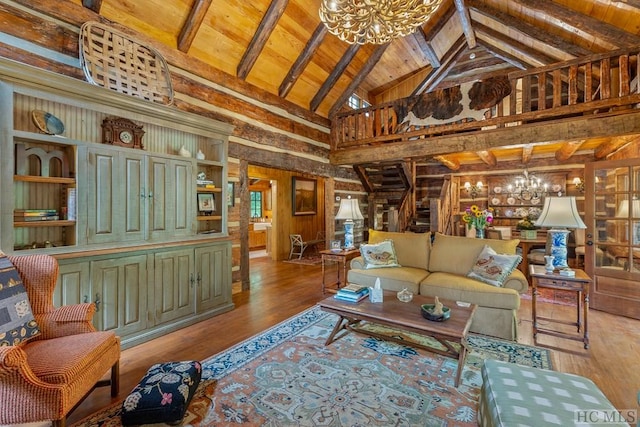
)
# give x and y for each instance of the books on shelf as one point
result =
(35, 215)
(352, 293)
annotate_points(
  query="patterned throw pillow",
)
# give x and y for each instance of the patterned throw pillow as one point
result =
(493, 268)
(379, 255)
(17, 323)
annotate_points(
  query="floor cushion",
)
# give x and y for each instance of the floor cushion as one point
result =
(163, 394)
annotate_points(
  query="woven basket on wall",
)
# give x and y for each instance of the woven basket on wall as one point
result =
(113, 60)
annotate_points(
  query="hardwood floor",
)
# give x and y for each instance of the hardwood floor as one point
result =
(279, 290)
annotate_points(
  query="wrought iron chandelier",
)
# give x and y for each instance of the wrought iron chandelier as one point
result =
(527, 187)
(375, 21)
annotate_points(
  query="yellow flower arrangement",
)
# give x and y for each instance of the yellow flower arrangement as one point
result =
(475, 217)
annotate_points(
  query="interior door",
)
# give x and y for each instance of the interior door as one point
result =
(612, 253)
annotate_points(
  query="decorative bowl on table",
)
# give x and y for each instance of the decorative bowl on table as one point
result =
(427, 313)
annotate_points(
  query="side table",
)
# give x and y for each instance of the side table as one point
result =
(341, 257)
(580, 284)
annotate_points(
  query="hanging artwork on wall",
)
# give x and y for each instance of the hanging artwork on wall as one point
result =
(304, 196)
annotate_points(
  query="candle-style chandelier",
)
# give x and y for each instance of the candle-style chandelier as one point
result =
(375, 21)
(527, 187)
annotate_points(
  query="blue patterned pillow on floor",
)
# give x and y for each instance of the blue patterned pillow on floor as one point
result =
(163, 394)
(17, 323)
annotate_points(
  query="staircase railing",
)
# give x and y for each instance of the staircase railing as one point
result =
(594, 84)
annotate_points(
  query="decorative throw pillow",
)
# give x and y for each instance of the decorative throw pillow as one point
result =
(379, 255)
(17, 323)
(493, 268)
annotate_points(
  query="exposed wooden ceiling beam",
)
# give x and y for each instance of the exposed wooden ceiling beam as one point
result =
(427, 48)
(303, 60)
(488, 157)
(267, 25)
(554, 45)
(337, 71)
(612, 145)
(192, 24)
(358, 78)
(424, 38)
(568, 149)
(560, 130)
(499, 53)
(633, 3)
(604, 36)
(449, 161)
(465, 19)
(436, 75)
(520, 51)
(94, 5)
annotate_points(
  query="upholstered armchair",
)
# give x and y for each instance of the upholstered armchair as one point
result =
(46, 377)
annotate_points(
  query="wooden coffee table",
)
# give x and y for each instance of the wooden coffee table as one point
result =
(405, 316)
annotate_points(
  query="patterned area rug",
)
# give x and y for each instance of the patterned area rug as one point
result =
(306, 260)
(286, 376)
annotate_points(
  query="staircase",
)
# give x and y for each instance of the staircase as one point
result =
(390, 189)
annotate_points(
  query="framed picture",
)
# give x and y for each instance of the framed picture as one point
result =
(206, 203)
(231, 194)
(304, 196)
(336, 245)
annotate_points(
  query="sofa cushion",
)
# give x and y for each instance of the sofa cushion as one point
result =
(454, 254)
(379, 255)
(493, 268)
(462, 288)
(17, 323)
(391, 279)
(412, 249)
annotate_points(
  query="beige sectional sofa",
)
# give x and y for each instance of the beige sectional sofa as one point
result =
(440, 268)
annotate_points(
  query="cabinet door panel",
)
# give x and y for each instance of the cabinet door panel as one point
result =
(159, 188)
(135, 199)
(121, 285)
(182, 206)
(214, 287)
(72, 286)
(173, 281)
(102, 197)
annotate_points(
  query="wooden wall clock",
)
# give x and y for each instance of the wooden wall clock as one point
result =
(122, 132)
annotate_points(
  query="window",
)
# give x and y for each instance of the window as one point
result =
(356, 102)
(256, 204)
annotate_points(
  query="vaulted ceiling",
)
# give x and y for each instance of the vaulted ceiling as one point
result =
(281, 46)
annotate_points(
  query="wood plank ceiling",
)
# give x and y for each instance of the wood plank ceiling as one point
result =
(282, 47)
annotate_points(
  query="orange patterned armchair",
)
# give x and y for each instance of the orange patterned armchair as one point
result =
(49, 375)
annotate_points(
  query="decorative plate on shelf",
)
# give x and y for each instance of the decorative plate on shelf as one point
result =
(497, 190)
(522, 212)
(495, 201)
(534, 212)
(511, 201)
(535, 201)
(508, 213)
(47, 122)
(556, 188)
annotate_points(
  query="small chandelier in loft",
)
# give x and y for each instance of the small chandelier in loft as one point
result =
(375, 21)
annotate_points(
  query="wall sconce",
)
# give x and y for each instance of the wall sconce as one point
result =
(579, 183)
(473, 190)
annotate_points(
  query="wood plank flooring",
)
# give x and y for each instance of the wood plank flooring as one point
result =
(279, 290)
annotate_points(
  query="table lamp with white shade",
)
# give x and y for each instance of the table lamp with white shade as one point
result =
(559, 214)
(349, 211)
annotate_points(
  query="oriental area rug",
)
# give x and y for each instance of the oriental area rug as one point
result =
(286, 376)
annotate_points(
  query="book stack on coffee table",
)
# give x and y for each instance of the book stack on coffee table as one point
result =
(352, 293)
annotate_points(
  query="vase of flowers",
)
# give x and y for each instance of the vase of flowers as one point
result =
(478, 218)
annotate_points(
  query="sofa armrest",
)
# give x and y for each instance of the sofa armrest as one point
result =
(357, 263)
(66, 320)
(516, 280)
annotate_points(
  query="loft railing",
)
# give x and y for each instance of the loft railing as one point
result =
(595, 84)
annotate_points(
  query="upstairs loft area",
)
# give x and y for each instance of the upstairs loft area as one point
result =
(592, 96)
